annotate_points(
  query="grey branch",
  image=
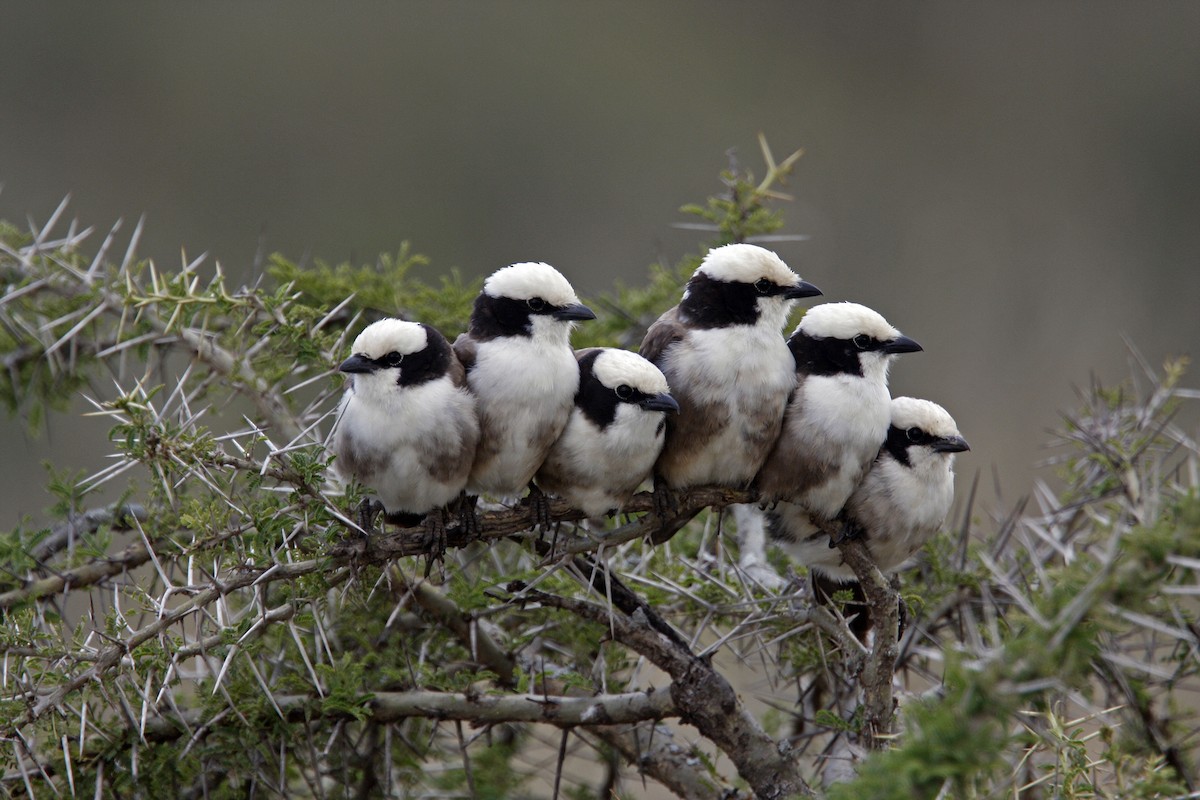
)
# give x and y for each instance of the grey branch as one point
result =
(479, 710)
(378, 549)
(702, 695)
(117, 517)
(880, 664)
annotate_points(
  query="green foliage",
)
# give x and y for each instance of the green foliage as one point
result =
(1053, 657)
(386, 289)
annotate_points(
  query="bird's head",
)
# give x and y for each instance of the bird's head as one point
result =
(527, 299)
(923, 434)
(396, 353)
(615, 383)
(743, 284)
(847, 338)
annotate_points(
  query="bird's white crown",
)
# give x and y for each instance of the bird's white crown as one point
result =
(845, 321)
(387, 335)
(909, 412)
(746, 263)
(531, 279)
(614, 367)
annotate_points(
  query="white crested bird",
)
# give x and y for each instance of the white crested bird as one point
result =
(407, 428)
(838, 415)
(615, 433)
(728, 366)
(833, 427)
(901, 502)
(521, 370)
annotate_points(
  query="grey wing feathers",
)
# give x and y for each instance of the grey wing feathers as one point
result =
(665, 331)
(464, 348)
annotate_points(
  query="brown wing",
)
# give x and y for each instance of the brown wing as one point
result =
(793, 467)
(665, 331)
(457, 371)
(465, 348)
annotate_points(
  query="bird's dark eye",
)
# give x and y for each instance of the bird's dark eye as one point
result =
(392, 359)
(535, 303)
(763, 286)
(863, 342)
(624, 391)
(914, 434)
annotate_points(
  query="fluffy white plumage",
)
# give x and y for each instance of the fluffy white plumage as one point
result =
(614, 367)
(599, 462)
(524, 382)
(529, 279)
(838, 416)
(727, 365)
(898, 506)
(410, 444)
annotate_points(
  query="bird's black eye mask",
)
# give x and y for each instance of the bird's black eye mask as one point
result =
(425, 365)
(504, 316)
(899, 440)
(829, 356)
(711, 303)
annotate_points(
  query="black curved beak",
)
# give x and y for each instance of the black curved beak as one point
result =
(357, 364)
(660, 402)
(950, 444)
(902, 344)
(575, 311)
(801, 289)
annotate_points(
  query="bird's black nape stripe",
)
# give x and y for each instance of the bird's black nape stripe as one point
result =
(428, 364)
(711, 303)
(824, 356)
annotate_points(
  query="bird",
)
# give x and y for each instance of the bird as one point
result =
(838, 414)
(522, 371)
(407, 427)
(723, 354)
(899, 505)
(615, 432)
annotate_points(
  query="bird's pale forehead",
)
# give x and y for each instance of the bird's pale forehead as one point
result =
(615, 367)
(531, 279)
(382, 337)
(845, 321)
(747, 263)
(909, 412)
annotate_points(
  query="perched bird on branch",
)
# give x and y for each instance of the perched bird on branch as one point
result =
(615, 432)
(839, 412)
(728, 367)
(522, 371)
(407, 428)
(899, 505)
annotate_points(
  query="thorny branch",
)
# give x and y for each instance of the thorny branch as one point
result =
(703, 696)
(883, 605)
(478, 709)
(207, 606)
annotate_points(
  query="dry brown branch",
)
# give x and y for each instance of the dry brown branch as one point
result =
(879, 666)
(702, 695)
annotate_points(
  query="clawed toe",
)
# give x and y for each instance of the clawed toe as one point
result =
(666, 505)
(365, 515)
(468, 519)
(539, 509)
(435, 538)
(846, 531)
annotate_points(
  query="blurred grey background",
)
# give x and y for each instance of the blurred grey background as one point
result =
(1016, 185)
